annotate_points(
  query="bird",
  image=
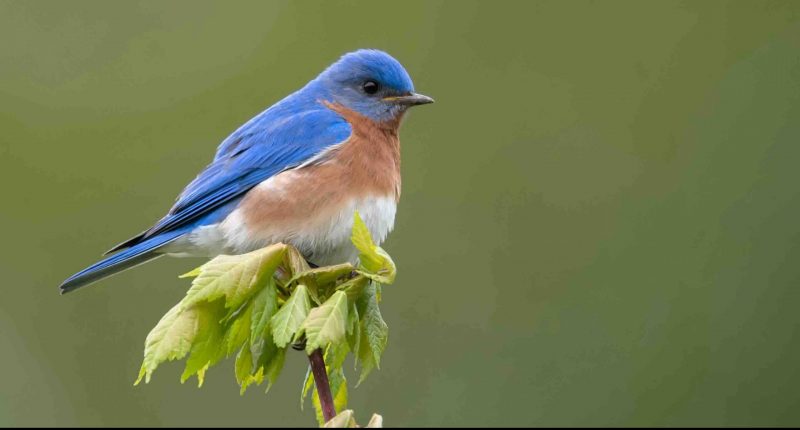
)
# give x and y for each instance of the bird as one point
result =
(295, 173)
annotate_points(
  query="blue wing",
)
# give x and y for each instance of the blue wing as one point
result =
(273, 141)
(254, 153)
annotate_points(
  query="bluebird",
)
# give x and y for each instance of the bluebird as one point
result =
(294, 173)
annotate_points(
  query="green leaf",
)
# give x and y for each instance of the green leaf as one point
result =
(354, 287)
(353, 329)
(193, 274)
(287, 321)
(265, 304)
(236, 329)
(335, 355)
(295, 261)
(272, 359)
(344, 419)
(267, 366)
(235, 277)
(324, 275)
(243, 368)
(171, 339)
(375, 263)
(326, 323)
(375, 422)
(207, 345)
(308, 383)
(374, 332)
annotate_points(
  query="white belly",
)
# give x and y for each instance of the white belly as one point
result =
(323, 240)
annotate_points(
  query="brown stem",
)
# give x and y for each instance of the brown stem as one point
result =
(323, 386)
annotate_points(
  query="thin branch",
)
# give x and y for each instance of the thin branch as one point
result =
(321, 382)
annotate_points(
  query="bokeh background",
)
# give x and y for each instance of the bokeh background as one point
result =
(600, 222)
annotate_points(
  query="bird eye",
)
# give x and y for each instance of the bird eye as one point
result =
(371, 87)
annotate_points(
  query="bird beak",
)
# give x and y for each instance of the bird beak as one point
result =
(412, 99)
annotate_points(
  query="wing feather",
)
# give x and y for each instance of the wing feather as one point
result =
(265, 146)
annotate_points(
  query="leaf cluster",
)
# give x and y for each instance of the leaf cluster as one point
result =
(256, 305)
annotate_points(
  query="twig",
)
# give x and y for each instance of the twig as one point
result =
(321, 382)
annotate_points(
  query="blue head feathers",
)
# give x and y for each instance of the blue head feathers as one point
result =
(371, 83)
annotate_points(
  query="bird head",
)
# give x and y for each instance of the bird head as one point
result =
(371, 83)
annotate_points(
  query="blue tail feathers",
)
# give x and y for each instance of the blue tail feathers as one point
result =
(137, 254)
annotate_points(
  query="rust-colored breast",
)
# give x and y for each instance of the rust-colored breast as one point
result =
(373, 151)
(366, 165)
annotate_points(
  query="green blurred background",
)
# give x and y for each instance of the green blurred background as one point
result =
(599, 222)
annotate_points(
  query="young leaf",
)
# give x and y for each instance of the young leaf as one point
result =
(243, 368)
(237, 329)
(354, 287)
(236, 277)
(171, 339)
(324, 275)
(335, 355)
(262, 360)
(375, 422)
(295, 261)
(207, 345)
(265, 304)
(375, 263)
(308, 383)
(326, 323)
(193, 274)
(271, 362)
(344, 419)
(243, 375)
(353, 329)
(286, 322)
(374, 332)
